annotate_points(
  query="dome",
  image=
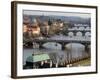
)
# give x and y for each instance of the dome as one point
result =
(26, 19)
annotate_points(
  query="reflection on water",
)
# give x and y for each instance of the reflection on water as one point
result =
(73, 50)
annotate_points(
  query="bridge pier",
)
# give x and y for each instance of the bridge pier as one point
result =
(63, 46)
(83, 33)
(28, 45)
(86, 48)
(40, 45)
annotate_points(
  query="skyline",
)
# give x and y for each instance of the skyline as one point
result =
(53, 13)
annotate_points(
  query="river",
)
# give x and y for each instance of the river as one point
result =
(74, 50)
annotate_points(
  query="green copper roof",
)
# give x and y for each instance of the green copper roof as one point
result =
(37, 58)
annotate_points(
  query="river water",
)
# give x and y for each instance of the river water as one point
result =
(74, 50)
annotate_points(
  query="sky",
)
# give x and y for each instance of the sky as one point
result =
(52, 13)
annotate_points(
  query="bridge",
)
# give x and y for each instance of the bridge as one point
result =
(61, 41)
(82, 29)
(75, 32)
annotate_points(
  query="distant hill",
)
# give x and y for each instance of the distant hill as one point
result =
(71, 19)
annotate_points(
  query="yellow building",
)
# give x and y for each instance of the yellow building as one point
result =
(25, 28)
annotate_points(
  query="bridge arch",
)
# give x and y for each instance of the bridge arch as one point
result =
(87, 28)
(52, 45)
(79, 34)
(87, 34)
(81, 28)
(70, 34)
(74, 43)
(76, 28)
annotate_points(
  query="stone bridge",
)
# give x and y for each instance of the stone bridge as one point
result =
(62, 42)
(75, 32)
